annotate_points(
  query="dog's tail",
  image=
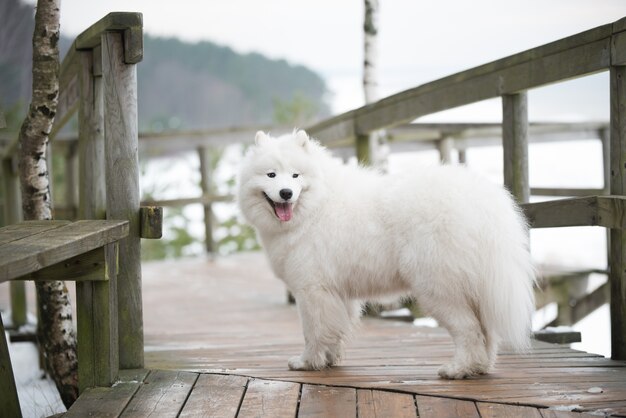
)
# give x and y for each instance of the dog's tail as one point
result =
(509, 303)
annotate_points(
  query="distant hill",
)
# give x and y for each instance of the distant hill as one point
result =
(180, 85)
(207, 85)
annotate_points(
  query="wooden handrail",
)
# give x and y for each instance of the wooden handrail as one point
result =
(582, 54)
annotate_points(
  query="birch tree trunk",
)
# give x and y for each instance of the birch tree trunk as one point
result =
(379, 150)
(56, 331)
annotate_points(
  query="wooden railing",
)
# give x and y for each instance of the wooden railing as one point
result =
(98, 79)
(596, 50)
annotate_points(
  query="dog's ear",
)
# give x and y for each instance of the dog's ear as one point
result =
(261, 138)
(302, 138)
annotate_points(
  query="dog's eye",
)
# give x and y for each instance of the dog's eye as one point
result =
(295, 176)
(271, 175)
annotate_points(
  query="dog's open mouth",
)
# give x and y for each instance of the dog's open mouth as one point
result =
(283, 210)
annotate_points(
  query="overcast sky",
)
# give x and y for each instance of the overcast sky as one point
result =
(419, 41)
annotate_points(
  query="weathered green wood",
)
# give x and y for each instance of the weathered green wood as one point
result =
(34, 252)
(9, 402)
(11, 188)
(270, 399)
(363, 150)
(122, 189)
(68, 91)
(515, 145)
(589, 303)
(606, 211)
(215, 396)
(22, 230)
(12, 215)
(561, 337)
(163, 395)
(617, 275)
(92, 191)
(130, 24)
(564, 192)
(206, 179)
(97, 328)
(71, 182)
(19, 307)
(151, 218)
(89, 266)
(98, 348)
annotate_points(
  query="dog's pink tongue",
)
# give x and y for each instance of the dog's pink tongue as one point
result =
(283, 211)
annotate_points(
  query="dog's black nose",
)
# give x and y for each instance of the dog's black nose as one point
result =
(286, 194)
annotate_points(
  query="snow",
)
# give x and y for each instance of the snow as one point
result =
(37, 393)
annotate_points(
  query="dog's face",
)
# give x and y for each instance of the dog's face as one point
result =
(275, 178)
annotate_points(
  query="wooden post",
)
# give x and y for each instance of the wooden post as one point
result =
(204, 155)
(617, 268)
(13, 215)
(71, 178)
(445, 145)
(98, 355)
(363, 149)
(463, 156)
(515, 144)
(9, 402)
(122, 190)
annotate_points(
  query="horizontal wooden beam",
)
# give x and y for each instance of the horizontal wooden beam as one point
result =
(606, 211)
(90, 266)
(564, 192)
(558, 337)
(204, 199)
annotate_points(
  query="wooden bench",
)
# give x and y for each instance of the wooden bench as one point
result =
(82, 251)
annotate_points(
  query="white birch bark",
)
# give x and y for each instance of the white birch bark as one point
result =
(56, 331)
(379, 150)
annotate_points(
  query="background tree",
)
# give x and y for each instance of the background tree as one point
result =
(56, 331)
(378, 148)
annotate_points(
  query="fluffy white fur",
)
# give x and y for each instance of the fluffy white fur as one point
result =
(442, 234)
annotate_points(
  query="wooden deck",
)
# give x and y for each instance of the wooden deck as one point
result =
(218, 335)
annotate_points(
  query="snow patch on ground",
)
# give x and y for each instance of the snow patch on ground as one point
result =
(37, 393)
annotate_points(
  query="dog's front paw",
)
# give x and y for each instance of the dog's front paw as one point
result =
(454, 371)
(297, 363)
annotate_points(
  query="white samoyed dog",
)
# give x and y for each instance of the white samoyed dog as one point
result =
(338, 235)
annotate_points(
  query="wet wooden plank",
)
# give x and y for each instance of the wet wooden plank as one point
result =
(432, 407)
(102, 402)
(382, 404)
(270, 399)
(162, 395)
(215, 396)
(326, 401)
(258, 337)
(27, 228)
(551, 413)
(494, 410)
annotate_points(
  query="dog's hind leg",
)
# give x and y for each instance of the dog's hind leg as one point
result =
(326, 322)
(471, 356)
